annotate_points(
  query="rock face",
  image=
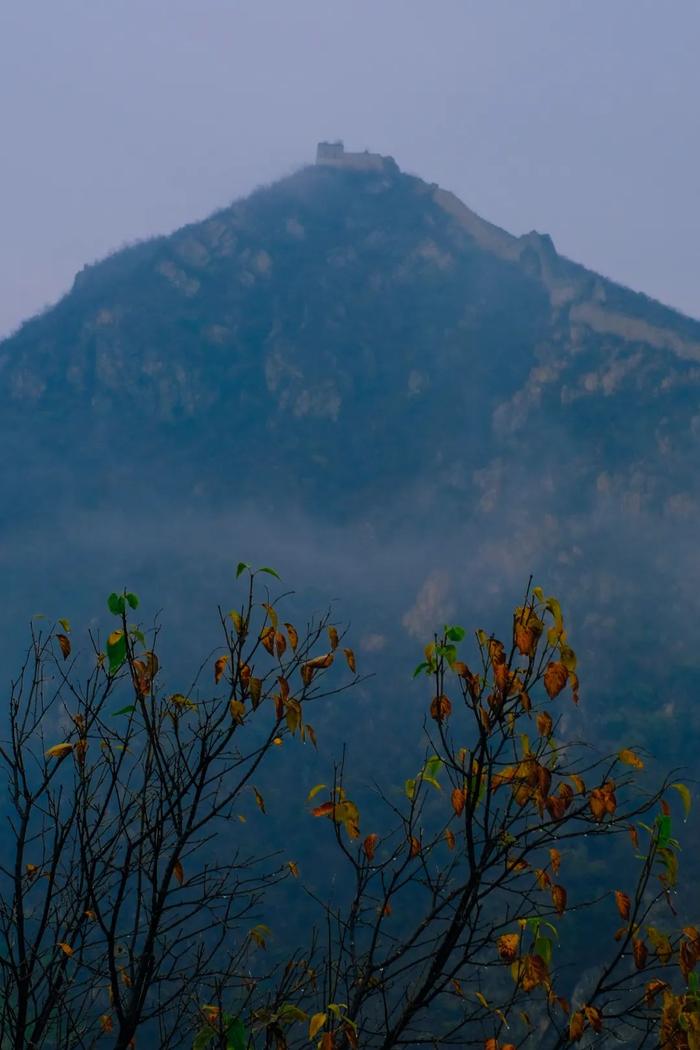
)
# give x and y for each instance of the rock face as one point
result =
(357, 332)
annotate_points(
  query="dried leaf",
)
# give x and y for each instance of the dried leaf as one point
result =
(640, 952)
(350, 657)
(293, 636)
(450, 838)
(64, 643)
(179, 872)
(559, 899)
(294, 869)
(65, 948)
(544, 723)
(220, 667)
(459, 800)
(440, 708)
(508, 945)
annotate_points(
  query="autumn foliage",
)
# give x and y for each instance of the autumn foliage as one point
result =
(129, 918)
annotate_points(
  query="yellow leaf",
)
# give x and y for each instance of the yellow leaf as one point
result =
(277, 741)
(259, 800)
(314, 791)
(293, 868)
(333, 637)
(220, 667)
(64, 643)
(316, 1024)
(255, 687)
(292, 635)
(106, 1024)
(544, 723)
(179, 872)
(482, 999)
(59, 751)
(507, 946)
(272, 615)
(685, 797)
(630, 759)
(65, 948)
(267, 637)
(237, 710)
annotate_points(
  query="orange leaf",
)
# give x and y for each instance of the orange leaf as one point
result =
(639, 949)
(65, 948)
(179, 872)
(458, 798)
(555, 678)
(576, 1026)
(555, 859)
(64, 643)
(350, 657)
(106, 1024)
(440, 708)
(507, 946)
(333, 637)
(559, 899)
(294, 869)
(594, 1018)
(623, 904)
(326, 809)
(544, 723)
(653, 988)
(369, 846)
(415, 846)
(450, 839)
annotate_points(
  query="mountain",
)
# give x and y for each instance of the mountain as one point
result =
(352, 375)
(348, 332)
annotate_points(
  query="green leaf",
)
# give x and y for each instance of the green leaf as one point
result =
(236, 1035)
(455, 634)
(664, 826)
(65, 624)
(115, 604)
(421, 667)
(270, 572)
(242, 566)
(288, 1013)
(129, 709)
(685, 796)
(138, 635)
(410, 789)
(203, 1037)
(116, 651)
(543, 948)
(132, 599)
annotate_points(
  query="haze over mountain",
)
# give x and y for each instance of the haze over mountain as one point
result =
(352, 371)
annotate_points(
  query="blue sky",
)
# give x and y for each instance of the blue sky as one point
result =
(124, 118)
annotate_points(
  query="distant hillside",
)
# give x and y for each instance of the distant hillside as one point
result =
(346, 333)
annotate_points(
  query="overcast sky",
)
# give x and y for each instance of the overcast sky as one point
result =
(124, 118)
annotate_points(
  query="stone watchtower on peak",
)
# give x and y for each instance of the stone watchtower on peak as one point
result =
(333, 154)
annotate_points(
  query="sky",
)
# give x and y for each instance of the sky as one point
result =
(120, 119)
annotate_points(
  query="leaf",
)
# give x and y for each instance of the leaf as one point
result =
(544, 723)
(314, 791)
(369, 846)
(559, 899)
(350, 657)
(116, 650)
(576, 1026)
(333, 637)
(450, 838)
(292, 635)
(440, 708)
(685, 798)
(132, 599)
(59, 751)
(129, 709)
(640, 952)
(220, 667)
(64, 643)
(267, 637)
(458, 799)
(179, 872)
(204, 1037)
(237, 709)
(65, 624)
(260, 801)
(259, 934)
(65, 948)
(455, 634)
(294, 868)
(555, 678)
(106, 1024)
(115, 604)
(316, 1024)
(241, 567)
(270, 572)
(630, 759)
(507, 946)
(623, 904)
(324, 810)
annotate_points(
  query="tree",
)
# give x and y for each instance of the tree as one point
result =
(124, 905)
(133, 907)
